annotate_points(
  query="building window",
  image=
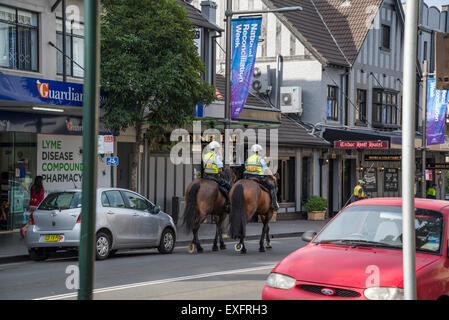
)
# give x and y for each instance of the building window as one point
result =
(74, 48)
(360, 113)
(332, 103)
(385, 108)
(386, 37)
(18, 39)
(425, 51)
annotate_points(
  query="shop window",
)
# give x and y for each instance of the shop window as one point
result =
(360, 113)
(18, 39)
(74, 48)
(332, 103)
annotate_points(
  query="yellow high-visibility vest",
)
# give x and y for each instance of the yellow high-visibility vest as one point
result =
(253, 165)
(209, 163)
(431, 192)
(357, 191)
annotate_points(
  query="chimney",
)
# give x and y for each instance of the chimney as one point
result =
(209, 11)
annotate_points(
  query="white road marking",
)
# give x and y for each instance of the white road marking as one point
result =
(156, 282)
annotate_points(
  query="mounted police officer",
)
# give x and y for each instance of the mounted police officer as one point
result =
(212, 168)
(359, 191)
(256, 167)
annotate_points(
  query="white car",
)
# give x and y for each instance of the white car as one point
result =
(124, 220)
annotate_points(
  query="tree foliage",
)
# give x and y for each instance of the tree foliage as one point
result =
(150, 68)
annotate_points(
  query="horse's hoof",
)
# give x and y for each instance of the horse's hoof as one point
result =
(238, 247)
(191, 248)
(222, 247)
(268, 246)
(199, 250)
(243, 251)
(261, 249)
(215, 248)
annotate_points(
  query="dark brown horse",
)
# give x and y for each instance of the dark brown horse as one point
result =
(204, 198)
(248, 198)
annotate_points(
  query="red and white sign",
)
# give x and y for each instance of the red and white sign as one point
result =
(429, 175)
(361, 144)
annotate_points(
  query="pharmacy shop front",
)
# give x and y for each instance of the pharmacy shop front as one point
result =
(38, 138)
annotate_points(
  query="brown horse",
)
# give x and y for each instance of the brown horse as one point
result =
(248, 198)
(204, 198)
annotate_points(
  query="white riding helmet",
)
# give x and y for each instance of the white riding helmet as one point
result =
(214, 145)
(256, 148)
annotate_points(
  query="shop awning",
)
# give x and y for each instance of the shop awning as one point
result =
(293, 134)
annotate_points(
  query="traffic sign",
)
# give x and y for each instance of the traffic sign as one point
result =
(112, 161)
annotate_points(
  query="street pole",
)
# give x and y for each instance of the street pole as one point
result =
(90, 147)
(424, 128)
(408, 150)
(228, 14)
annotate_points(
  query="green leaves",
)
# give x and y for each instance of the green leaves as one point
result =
(150, 67)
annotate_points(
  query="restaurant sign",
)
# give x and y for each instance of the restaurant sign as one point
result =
(361, 144)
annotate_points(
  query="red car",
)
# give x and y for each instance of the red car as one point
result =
(358, 255)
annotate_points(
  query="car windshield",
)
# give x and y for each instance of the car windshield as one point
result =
(381, 226)
(61, 201)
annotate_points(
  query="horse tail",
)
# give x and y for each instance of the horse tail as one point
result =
(191, 208)
(237, 216)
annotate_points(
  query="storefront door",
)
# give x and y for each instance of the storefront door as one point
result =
(17, 171)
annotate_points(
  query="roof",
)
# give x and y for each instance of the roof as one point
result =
(335, 29)
(292, 133)
(422, 203)
(196, 18)
(220, 89)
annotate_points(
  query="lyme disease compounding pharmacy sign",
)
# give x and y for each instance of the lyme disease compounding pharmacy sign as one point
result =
(245, 38)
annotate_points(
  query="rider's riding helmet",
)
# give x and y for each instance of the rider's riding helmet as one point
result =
(214, 145)
(256, 148)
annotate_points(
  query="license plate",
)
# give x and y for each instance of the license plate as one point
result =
(53, 238)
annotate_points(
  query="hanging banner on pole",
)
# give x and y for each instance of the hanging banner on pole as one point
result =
(245, 38)
(436, 113)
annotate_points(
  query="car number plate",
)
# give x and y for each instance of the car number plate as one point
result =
(52, 237)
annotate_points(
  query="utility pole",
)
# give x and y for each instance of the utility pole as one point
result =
(408, 150)
(91, 102)
(424, 128)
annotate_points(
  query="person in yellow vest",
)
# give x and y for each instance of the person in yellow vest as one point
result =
(255, 166)
(359, 191)
(432, 192)
(212, 167)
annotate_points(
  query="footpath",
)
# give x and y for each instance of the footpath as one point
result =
(13, 248)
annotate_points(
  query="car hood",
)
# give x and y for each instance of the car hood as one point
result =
(343, 265)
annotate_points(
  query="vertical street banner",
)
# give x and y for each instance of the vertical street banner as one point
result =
(245, 38)
(437, 101)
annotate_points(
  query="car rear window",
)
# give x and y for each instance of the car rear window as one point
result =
(61, 201)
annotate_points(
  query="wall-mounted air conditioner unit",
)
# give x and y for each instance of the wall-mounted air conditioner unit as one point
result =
(260, 82)
(291, 100)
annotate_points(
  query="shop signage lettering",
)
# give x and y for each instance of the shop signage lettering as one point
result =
(382, 157)
(361, 144)
(442, 166)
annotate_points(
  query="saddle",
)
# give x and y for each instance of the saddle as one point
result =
(262, 186)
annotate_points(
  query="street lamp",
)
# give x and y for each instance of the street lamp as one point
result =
(229, 13)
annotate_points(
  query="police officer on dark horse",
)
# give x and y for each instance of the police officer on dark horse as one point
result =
(253, 195)
(208, 196)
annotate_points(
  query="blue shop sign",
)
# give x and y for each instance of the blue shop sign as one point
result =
(35, 90)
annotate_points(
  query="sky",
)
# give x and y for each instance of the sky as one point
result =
(435, 2)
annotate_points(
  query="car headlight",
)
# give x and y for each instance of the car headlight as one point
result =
(280, 281)
(384, 293)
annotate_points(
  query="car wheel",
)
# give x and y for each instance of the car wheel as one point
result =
(37, 254)
(167, 243)
(102, 246)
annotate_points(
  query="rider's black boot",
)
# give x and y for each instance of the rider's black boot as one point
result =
(274, 203)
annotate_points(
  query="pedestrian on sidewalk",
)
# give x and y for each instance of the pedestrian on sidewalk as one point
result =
(4, 215)
(36, 197)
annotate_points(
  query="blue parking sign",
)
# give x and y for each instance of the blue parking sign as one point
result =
(112, 161)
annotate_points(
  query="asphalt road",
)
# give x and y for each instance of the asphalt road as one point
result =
(146, 274)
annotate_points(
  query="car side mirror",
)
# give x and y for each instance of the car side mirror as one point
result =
(156, 209)
(308, 236)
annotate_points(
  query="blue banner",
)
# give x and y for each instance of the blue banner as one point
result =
(39, 91)
(437, 101)
(245, 38)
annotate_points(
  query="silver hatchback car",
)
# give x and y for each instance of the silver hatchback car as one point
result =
(124, 220)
